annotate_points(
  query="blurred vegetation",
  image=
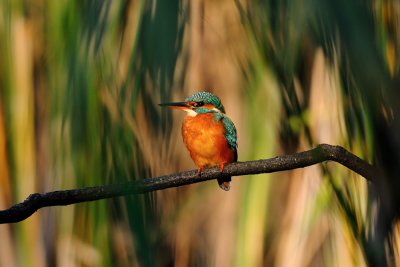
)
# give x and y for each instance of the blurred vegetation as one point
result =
(79, 86)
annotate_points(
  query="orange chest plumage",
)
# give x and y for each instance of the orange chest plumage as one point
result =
(205, 139)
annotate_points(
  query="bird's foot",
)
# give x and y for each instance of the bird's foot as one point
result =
(199, 170)
(221, 167)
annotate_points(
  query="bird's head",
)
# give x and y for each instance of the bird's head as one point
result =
(200, 102)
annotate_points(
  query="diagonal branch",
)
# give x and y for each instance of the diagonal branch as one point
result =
(321, 153)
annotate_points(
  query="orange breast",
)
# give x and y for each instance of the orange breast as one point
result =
(204, 137)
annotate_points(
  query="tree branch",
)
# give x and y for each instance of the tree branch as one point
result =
(321, 153)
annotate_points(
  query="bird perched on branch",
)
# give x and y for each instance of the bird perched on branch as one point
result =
(209, 135)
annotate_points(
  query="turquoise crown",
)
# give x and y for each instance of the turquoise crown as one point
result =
(207, 98)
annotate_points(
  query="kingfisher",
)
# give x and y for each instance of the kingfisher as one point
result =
(209, 135)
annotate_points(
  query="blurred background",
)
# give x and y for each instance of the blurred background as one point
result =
(79, 86)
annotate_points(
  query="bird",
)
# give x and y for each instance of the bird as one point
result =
(209, 135)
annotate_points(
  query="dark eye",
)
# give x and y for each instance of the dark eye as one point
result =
(198, 104)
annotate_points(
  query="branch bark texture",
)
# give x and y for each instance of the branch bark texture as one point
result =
(321, 153)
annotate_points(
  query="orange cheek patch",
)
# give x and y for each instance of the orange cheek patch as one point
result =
(208, 106)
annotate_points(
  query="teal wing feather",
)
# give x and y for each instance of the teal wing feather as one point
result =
(230, 130)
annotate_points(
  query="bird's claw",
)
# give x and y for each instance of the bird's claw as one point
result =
(221, 167)
(199, 170)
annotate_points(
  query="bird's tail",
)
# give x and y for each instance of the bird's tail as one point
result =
(224, 183)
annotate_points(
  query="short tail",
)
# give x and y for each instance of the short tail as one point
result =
(224, 183)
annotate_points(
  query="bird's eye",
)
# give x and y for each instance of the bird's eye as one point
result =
(198, 104)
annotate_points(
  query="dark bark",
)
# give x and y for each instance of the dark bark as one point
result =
(321, 153)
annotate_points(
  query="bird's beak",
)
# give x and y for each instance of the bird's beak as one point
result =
(176, 105)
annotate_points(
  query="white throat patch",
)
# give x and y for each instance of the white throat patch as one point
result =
(191, 113)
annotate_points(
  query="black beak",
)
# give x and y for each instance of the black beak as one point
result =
(177, 105)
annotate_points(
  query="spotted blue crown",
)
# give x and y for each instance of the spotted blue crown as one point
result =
(207, 98)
